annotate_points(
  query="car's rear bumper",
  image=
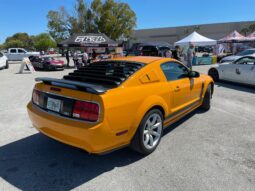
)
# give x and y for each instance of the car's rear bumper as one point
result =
(94, 138)
(56, 67)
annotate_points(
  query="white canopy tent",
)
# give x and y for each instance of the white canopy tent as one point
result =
(197, 39)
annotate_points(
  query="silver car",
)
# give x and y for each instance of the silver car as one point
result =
(241, 70)
(232, 58)
(3, 61)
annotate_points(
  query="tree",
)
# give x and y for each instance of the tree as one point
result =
(1, 46)
(249, 29)
(245, 31)
(58, 24)
(43, 41)
(21, 40)
(115, 19)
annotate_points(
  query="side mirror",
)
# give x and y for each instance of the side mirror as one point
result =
(194, 74)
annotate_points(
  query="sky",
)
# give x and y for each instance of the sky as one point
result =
(30, 15)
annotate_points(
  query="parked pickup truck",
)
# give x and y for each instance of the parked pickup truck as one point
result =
(14, 54)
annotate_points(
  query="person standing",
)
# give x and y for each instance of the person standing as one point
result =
(85, 58)
(168, 54)
(190, 55)
(67, 58)
(75, 58)
(94, 54)
(176, 53)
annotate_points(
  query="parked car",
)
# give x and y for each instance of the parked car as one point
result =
(114, 103)
(3, 61)
(17, 54)
(46, 63)
(52, 51)
(232, 58)
(149, 50)
(241, 71)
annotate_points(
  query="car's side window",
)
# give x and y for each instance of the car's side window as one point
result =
(174, 71)
(245, 60)
(1, 55)
(13, 51)
(21, 51)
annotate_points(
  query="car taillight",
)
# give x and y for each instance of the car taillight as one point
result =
(36, 97)
(86, 110)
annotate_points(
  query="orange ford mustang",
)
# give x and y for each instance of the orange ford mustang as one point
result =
(114, 103)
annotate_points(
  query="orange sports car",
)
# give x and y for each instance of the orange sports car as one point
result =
(115, 103)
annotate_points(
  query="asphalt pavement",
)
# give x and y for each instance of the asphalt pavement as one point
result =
(212, 150)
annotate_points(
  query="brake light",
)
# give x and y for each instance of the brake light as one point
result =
(36, 97)
(86, 110)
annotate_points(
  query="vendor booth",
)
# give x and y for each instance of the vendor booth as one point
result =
(234, 43)
(233, 37)
(88, 40)
(251, 36)
(199, 41)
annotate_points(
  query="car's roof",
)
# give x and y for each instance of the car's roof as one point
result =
(141, 59)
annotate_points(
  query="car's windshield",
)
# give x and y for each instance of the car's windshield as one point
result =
(246, 52)
(48, 58)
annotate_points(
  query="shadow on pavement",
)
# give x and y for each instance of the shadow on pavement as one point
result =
(235, 86)
(40, 163)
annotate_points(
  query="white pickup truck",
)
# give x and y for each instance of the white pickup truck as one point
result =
(17, 54)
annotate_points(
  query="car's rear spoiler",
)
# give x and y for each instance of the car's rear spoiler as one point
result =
(82, 86)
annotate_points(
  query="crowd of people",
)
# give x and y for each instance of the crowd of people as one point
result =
(176, 54)
(80, 59)
(83, 59)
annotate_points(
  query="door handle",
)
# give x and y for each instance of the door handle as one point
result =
(177, 89)
(238, 71)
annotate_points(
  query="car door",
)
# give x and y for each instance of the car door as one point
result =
(21, 54)
(13, 55)
(185, 90)
(251, 75)
(242, 69)
(226, 71)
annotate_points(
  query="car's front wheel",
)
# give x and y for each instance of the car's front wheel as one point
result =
(149, 133)
(214, 74)
(6, 64)
(206, 105)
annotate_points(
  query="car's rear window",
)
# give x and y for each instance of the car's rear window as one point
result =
(106, 73)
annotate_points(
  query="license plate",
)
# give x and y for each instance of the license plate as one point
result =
(53, 104)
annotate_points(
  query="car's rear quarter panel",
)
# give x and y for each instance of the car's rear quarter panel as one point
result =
(126, 106)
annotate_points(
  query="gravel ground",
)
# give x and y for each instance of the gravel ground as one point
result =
(214, 150)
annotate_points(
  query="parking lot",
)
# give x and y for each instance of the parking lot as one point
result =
(212, 150)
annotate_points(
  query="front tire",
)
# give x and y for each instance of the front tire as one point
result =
(206, 105)
(214, 74)
(149, 133)
(7, 64)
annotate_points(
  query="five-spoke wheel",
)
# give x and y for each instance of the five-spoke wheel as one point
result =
(149, 132)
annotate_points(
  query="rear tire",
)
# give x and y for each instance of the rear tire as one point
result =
(214, 74)
(206, 105)
(149, 133)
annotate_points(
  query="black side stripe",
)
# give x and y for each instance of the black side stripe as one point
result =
(202, 89)
(181, 111)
